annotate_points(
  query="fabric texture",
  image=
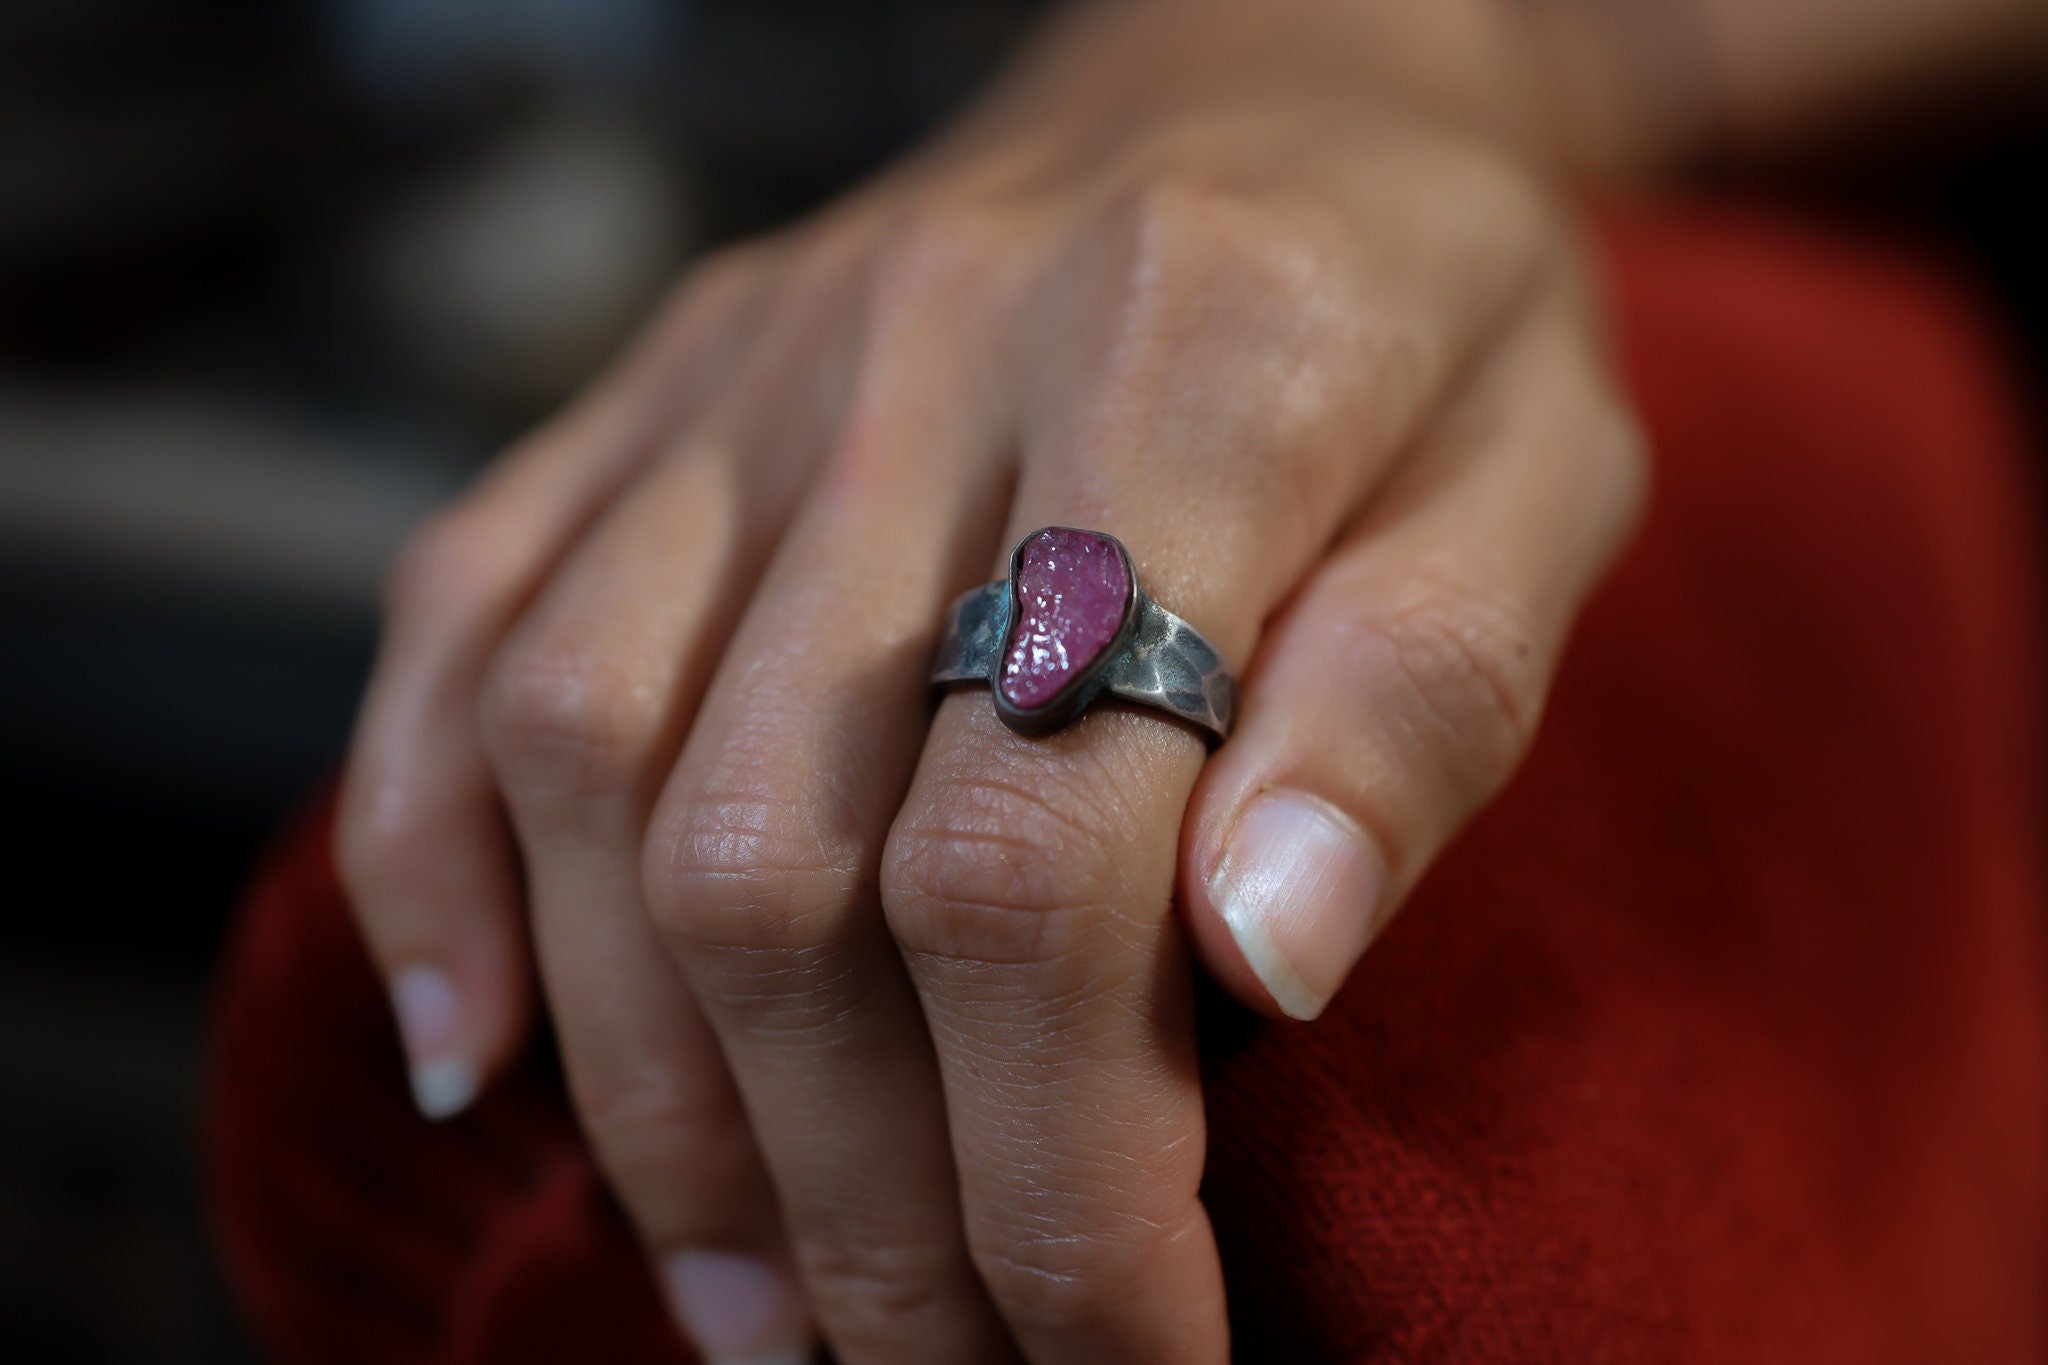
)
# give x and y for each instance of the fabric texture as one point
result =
(1722, 1036)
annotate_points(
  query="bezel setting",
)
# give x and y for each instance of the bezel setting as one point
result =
(1086, 683)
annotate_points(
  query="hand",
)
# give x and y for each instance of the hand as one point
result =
(877, 1016)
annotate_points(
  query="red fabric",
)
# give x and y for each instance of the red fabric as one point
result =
(1722, 1037)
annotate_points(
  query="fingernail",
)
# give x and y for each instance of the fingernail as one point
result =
(430, 1022)
(1300, 891)
(738, 1310)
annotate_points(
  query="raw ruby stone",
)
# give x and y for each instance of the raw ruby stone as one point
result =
(1072, 590)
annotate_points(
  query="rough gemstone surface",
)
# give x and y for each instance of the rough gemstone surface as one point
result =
(1072, 589)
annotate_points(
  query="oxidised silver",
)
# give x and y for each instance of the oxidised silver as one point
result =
(1162, 662)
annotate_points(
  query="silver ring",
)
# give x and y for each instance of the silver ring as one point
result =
(1085, 630)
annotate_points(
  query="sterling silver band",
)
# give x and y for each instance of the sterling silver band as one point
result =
(1164, 663)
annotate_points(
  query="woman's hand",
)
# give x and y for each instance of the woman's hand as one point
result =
(878, 1015)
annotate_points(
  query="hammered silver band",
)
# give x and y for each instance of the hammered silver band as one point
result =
(1162, 662)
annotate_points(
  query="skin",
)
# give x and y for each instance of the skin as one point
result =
(878, 1015)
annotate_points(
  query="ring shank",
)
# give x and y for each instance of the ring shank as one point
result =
(975, 626)
(1166, 664)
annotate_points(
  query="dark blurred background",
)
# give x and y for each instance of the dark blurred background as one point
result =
(277, 277)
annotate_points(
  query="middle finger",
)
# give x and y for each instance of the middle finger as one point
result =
(761, 860)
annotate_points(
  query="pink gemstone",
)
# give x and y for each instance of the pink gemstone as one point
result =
(1073, 588)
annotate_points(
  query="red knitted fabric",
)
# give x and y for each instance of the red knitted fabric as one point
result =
(1723, 1036)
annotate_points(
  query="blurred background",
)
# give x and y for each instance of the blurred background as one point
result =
(275, 278)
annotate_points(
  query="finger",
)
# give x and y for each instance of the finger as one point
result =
(584, 708)
(1029, 882)
(761, 861)
(1403, 684)
(421, 840)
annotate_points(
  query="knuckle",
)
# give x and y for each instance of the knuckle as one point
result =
(1620, 453)
(1175, 223)
(561, 718)
(724, 271)
(1526, 222)
(451, 561)
(705, 296)
(1519, 204)
(1472, 671)
(702, 304)
(1063, 1281)
(374, 844)
(648, 1129)
(938, 251)
(391, 836)
(871, 1288)
(989, 871)
(1191, 247)
(747, 871)
(635, 1109)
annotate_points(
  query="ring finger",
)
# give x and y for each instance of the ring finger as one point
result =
(1029, 882)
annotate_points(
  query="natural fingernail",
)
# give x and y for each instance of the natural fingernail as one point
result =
(738, 1310)
(430, 1021)
(1301, 892)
